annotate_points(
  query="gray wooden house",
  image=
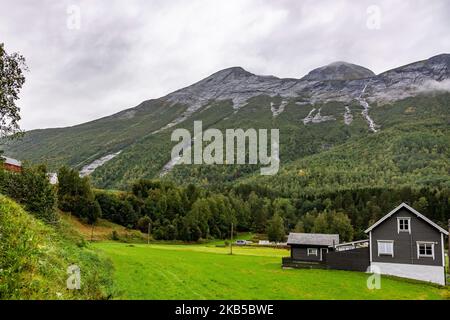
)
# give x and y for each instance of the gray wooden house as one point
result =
(403, 243)
(407, 244)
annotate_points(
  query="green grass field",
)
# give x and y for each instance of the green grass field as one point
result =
(164, 271)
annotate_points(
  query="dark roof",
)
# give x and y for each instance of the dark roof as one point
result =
(412, 210)
(317, 239)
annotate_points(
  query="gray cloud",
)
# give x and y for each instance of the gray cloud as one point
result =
(126, 52)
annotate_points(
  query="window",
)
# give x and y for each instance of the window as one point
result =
(425, 250)
(312, 251)
(385, 248)
(404, 225)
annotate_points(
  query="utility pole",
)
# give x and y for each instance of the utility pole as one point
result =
(231, 243)
(148, 234)
(92, 232)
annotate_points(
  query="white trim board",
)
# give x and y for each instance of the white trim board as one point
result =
(417, 213)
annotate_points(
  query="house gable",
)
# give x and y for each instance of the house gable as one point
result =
(410, 209)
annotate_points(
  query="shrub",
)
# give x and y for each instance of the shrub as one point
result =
(75, 195)
(31, 188)
(114, 235)
(143, 223)
(275, 229)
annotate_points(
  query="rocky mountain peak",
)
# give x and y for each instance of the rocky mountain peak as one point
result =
(229, 74)
(436, 68)
(441, 58)
(339, 70)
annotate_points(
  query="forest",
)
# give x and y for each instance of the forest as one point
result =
(190, 213)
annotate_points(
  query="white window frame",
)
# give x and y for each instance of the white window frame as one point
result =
(409, 224)
(425, 255)
(385, 254)
(312, 254)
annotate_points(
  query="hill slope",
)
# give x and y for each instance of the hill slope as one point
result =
(333, 105)
(412, 149)
(34, 258)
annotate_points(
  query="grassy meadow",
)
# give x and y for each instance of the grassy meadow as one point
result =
(34, 258)
(164, 271)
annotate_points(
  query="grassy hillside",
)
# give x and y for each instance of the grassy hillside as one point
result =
(412, 148)
(103, 230)
(34, 258)
(146, 158)
(406, 155)
(81, 144)
(208, 272)
(415, 131)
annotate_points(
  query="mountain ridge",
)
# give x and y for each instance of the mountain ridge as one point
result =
(240, 89)
(136, 141)
(339, 70)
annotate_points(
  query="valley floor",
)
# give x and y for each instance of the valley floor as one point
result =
(164, 271)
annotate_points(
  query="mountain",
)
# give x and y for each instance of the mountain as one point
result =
(337, 105)
(339, 71)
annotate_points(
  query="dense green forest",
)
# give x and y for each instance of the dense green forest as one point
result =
(410, 147)
(190, 213)
(173, 212)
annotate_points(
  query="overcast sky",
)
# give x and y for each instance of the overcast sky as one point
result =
(124, 52)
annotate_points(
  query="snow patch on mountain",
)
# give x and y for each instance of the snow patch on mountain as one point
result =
(317, 118)
(277, 110)
(309, 117)
(90, 168)
(184, 116)
(365, 112)
(348, 116)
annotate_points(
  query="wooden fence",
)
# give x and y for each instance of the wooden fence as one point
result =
(352, 260)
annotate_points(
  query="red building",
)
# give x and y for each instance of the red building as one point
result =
(12, 164)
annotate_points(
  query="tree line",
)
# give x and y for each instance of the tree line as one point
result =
(190, 213)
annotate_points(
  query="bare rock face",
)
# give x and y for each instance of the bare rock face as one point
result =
(339, 81)
(339, 71)
(234, 84)
(419, 77)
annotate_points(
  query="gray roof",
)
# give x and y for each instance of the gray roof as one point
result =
(12, 161)
(317, 239)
